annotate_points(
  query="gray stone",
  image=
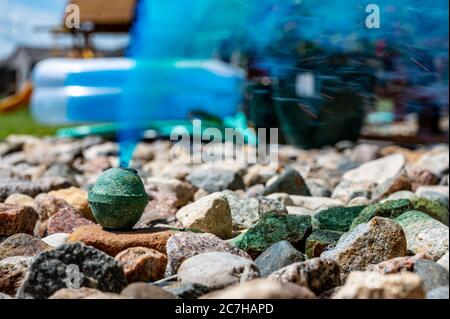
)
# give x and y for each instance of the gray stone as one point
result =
(52, 270)
(432, 274)
(184, 245)
(290, 182)
(244, 211)
(215, 180)
(10, 186)
(217, 270)
(277, 256)
(438, 293)
(444, 261)
(424, 234)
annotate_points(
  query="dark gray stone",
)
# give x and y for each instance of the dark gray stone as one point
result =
(47, 273)
(215, 180)
(188, 291)
(277, 256)
(290, 182)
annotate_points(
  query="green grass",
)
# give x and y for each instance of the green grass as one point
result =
(22, 122)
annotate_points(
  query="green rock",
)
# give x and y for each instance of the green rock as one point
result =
(336, 218)
(389, 209)
(320, 240)
(272, 228)
(118, 199)
(432, 208)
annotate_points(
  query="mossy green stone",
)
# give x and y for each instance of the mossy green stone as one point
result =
(432, 208)
(272, 228)
(336, 218)
(320, 240)
(389, 209)
(118, 199)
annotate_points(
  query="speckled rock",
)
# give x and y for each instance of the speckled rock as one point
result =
(432, 208)
(389, 209)
(113, 243)
(9, 186)
(372, 285)
(142, 290)
(187, 290)
(321, 240)
(432, 274)
(244, 211)
(12, 272)
(47, 273)
(289, 182)
(438, 293)
(262, 289)
(76, 197)
(17, 219)
(22, 245)
(20, 199)
(161, 207)
(215, 180)
(142, 264)
(210, 214)
(277, 256)
(66, 221)
(217, 270)
(185, 245)
(47, 206)
(184, 192)
(444, 261)
(271, 205)
(379, 240)
(273, 228)
(397, 265)
(316, 274)
(424, 234)
(337, 219)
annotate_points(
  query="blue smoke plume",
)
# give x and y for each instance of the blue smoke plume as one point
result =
(271, 31)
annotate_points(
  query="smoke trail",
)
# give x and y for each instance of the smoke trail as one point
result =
(273, 32)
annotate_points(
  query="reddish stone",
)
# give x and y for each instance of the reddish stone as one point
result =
(66, 221)
(142, 264)
(16, 219)
(113, 243)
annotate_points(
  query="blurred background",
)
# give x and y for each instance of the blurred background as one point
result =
(313, 70)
